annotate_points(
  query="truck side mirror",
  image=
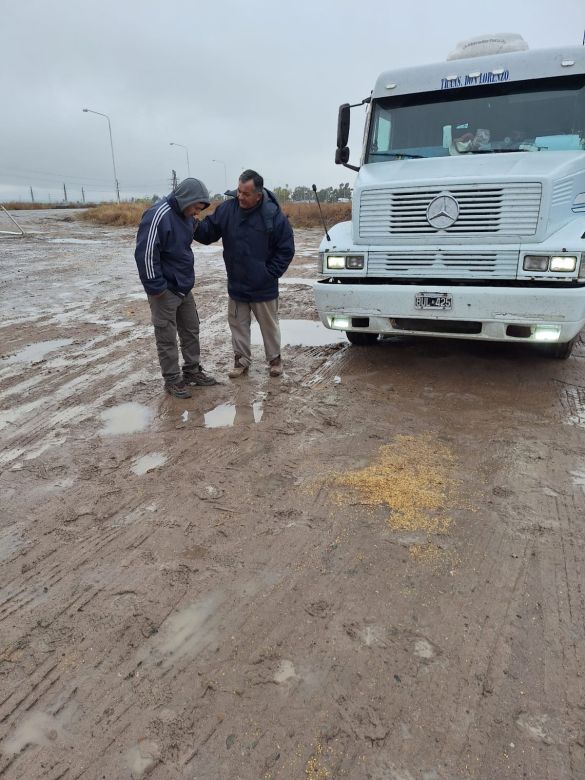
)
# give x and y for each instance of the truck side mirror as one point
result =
(343, 126)
(342, 155)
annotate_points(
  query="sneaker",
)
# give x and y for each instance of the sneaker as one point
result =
(199, 377)
(276, 366)
(238, 370)
(179, 389)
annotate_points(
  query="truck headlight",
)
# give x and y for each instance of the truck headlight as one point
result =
(563, 263)
(338, 262)
(535, 262)
(335, 261)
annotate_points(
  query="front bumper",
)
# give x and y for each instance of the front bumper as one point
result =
(488, 313)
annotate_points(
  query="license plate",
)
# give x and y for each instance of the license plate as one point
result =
(433, 300)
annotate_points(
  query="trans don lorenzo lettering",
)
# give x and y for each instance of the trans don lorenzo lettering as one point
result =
(475, 79)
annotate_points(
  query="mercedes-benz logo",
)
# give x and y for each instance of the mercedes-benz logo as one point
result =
(442, 212)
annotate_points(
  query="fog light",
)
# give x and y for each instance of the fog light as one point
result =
(564, 263)
(336, 262)
(535, 263)
(341, 323)
(547, 333)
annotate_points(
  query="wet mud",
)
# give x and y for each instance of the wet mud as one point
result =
(370, 568)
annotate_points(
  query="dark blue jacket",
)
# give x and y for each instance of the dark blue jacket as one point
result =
(258, 246)
(163, 248)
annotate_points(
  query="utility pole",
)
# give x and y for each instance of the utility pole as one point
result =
(32, 195)
(65, 192)
(174, 172)
(82, 195)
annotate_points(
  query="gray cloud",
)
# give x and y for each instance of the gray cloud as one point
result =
(254, 84)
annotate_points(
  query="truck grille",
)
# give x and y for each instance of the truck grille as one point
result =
(444, 264)
(498, 209)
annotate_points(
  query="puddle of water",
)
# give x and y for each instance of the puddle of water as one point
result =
(148, 462)
(423, 649)
(228, 414)
(286, 671)
(126, 418)
(35, 352)
(122, 325)
(142, 758)
(74, 241)
(11, 540)
(44, 446)
(305, 333)
(187, 632)
(207, 250)
(297, 280)
(223, 416)
(37, 728)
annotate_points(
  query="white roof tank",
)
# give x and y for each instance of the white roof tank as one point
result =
(482, 45)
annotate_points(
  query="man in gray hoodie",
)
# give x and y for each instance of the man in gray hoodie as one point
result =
(167, 271)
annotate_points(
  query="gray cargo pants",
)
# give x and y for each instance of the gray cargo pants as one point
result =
(172, 314)
(240, 318)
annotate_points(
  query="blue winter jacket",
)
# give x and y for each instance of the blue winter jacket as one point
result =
(163, 249)
(258, 245)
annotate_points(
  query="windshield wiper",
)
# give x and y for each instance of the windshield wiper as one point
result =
(404, 154)
(492, 151)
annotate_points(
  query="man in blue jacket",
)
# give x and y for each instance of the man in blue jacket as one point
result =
(258, 246)
(167, 272)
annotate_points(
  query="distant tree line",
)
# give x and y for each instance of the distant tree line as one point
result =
(303, 194)
(297, 195)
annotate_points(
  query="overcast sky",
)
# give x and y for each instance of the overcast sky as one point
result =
(251, 83)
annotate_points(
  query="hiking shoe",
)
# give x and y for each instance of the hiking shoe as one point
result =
(199, 377)
(276, 366)
(238, 370)
(178, 389)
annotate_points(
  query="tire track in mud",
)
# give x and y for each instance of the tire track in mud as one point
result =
(89, 548)
(531, 570)
(30, 434)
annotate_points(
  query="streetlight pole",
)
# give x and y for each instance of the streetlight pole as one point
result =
(172, 143)
(221, 162)
(89, 111)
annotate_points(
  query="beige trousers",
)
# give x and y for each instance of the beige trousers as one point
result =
(240, 319)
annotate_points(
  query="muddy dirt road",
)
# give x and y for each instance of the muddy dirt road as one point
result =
(370, 568)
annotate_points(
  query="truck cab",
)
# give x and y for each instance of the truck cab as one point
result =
(468, 209)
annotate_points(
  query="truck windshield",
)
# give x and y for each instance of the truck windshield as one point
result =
(527, 116)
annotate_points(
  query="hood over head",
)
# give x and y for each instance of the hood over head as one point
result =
(191, 191)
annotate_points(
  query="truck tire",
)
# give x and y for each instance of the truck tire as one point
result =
(361, 339)
(559, 351)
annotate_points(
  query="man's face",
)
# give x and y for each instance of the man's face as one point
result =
(247, 195)
(193, 209)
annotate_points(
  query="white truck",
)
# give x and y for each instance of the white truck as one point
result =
(468, 210)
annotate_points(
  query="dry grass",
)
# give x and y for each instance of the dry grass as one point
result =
(19, 205)
(117, 214)
(304, 215)
(301, 215)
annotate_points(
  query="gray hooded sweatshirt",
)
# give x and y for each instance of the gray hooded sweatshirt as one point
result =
(191, 191)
